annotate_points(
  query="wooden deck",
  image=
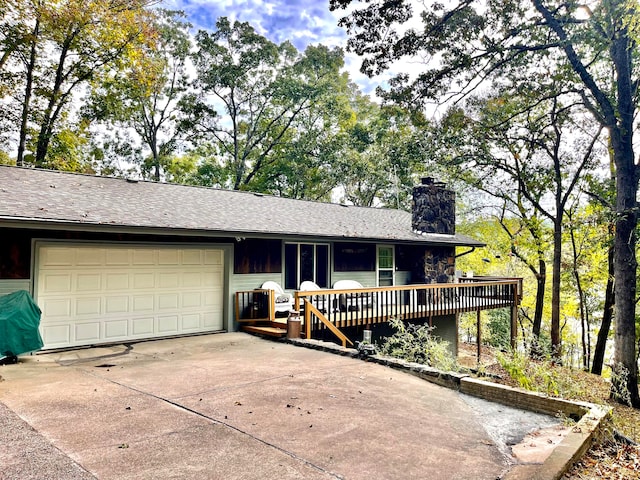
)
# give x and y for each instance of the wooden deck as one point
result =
(338, 310)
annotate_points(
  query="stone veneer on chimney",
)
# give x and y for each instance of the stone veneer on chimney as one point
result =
(433, 208)
(434, 211)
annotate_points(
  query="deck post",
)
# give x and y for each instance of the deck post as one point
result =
(514, 326)
(479, 333)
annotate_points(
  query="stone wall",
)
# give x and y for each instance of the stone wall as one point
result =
(433, 208)
(437, 266)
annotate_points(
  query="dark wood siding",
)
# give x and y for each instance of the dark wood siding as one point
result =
(15, 245)
(15, 254)
(257, 256)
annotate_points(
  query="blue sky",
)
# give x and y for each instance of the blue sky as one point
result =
(302, 22)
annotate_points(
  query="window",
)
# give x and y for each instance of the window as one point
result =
(306, 261)
(354, 257)
(386, 266)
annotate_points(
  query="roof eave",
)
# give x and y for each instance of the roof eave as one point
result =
(56, 224)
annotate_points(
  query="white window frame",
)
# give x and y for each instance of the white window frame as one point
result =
(392, 269)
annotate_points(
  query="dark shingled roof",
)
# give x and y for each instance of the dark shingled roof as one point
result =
(50, 197)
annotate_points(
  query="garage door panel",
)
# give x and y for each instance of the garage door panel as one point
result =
(143, 256)
(116, 304)
(56, 335)
(192, 280)
(56, 307)
(60, 257)
(168, 257)
(144, 280)
(88, 257)
(192, 299)
(117, 281)
(169, 280)
(168, 324)
(191, 322)
(58, 282)
(117, 256)
(143, 303)
(212, 320)
(87, 332)
(168, 301)
(192, 257)
(88, 306)
(88, 282)
(211, 280)
(142, 327)
(213, 257)
(116, 329)
(91, 294)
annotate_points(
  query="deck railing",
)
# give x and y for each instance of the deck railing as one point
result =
(343, 309)
(255, 305)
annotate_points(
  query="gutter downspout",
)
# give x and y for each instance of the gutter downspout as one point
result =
(466, 253)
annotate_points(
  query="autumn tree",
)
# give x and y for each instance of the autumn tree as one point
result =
(144, 93)
(467, 42)
(58, 48)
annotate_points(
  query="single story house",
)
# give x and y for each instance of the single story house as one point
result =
(116, 260)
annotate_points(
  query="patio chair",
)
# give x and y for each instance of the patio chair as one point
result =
(283, 300)
(353, 301)
(317, 300)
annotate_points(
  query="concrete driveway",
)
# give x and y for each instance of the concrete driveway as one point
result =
(233, 406)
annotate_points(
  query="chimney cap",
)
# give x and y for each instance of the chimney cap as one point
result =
(432, 181)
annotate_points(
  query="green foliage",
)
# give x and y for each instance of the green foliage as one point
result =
(619, 385)
(499, 326)
(555, 52)
(57, 49)
(416, 343)
(144, 94)
(262, 105)
(381, 149)
(5, 159)
(516, 366)
(538, 375)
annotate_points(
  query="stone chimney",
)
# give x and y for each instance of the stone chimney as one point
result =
(434, 208)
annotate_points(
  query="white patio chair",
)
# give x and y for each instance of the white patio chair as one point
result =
(309, 286)
(355, 301)
(283, 300)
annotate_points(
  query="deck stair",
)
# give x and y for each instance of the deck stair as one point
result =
(270, 329)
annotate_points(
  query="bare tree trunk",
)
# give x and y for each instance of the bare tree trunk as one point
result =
(27, 95)
(584, 320)
(607, 317)
(556, 338)
(541, 280)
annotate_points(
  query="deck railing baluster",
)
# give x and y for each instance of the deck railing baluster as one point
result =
(378, 304)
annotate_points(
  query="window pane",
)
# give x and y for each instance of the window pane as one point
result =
(385, 278)
(290, 266)
(306, 262)
(322, 266)
(385, 257)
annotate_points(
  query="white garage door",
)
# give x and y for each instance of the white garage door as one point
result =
(103, 293)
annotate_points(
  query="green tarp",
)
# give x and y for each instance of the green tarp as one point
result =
(19, 322)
